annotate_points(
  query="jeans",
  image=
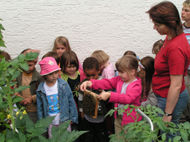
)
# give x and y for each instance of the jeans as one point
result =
(179, 108)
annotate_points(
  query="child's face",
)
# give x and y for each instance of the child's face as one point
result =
(71, 69)
(156, 50)
(31, 65)
(127, 76)
(52, 77)
(60, 49)
(185, 14)
(91, 73)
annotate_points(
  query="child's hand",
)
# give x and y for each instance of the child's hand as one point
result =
(104, 96)
(85, 84)
(18, 94)
(26, 101)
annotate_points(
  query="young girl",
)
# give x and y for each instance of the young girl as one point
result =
(146, 72)
(54, 96)
(70, 68)
(128, 89)
(61, 44)
(106, 68)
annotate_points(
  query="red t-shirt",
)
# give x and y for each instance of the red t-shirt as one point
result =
(172, 59)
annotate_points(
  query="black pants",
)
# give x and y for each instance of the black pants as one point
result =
(96, 132)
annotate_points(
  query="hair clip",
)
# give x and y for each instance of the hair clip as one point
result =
(140, 65)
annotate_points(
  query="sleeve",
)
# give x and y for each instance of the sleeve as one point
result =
(176, 61)
(108, 72)
(133, 92)
(105, 84)
(39, 106)
(72, 106)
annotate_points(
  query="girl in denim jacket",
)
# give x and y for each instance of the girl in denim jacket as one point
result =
(128, 90)
(54, 96)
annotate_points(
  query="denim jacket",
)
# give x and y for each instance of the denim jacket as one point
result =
(68, 110)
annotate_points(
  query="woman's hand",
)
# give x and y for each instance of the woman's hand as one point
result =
(85, 84)
(104, 96)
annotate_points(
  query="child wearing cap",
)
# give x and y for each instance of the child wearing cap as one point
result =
(54, 96)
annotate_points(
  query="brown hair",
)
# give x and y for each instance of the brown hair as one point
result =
(51, 54)
(29, 50)
(63, 41)
(4, 54)
(186, 3)
(148, 64)
(101, 56)
(157, 46)
(166, 13)
(127, 62)
(129, 52)
(25, 50)
(91, 63)
(69, 58)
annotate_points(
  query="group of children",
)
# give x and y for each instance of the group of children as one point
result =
(58, 89)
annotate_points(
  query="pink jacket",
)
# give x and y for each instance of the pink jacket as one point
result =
(132, 95)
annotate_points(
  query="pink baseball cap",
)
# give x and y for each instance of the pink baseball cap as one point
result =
(48, 65)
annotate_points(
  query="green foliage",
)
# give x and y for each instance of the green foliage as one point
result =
(141, 132)
(61, 134)
(30, 132)
(9, 71)
(2, 43)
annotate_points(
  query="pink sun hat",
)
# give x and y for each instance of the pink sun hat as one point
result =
(48, 65)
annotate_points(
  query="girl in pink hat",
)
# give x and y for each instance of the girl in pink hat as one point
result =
(54, 96)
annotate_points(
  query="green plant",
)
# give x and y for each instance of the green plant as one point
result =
(27, 131)
(2, 43)
(9, 71)
(140, 131)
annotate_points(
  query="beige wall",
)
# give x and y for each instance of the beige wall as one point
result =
(112, 25)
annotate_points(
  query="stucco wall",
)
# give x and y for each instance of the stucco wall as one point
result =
(112, 25)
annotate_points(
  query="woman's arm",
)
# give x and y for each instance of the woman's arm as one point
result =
(173, 95)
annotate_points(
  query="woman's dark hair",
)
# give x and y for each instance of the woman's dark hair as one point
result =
(68, 58)
(148, 64)
(166, 13)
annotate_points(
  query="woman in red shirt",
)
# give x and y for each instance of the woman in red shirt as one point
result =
(171, 62)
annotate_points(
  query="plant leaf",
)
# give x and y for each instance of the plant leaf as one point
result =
(17, 99)
(21, 88)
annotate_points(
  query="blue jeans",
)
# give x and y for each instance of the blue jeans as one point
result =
(179, 108)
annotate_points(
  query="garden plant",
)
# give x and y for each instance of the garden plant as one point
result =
(141, 131)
